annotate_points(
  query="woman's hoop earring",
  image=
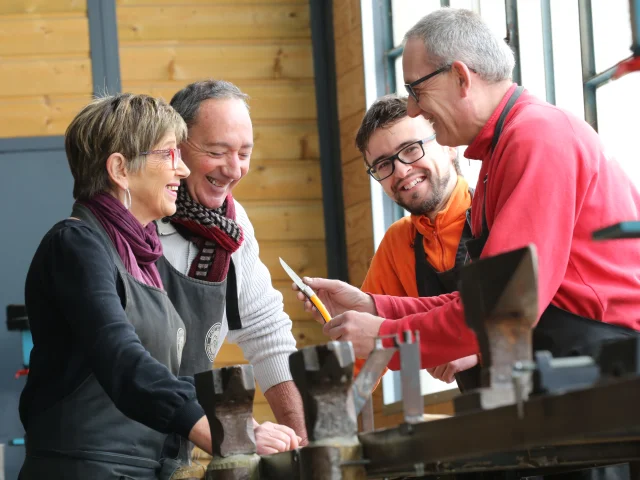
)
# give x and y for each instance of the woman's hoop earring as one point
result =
(127, 199)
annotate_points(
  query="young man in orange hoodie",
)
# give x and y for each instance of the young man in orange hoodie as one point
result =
(418, 255)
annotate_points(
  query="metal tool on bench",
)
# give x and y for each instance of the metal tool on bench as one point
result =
(324, 377)
(500, 297)
(226, 395)
(366, 380)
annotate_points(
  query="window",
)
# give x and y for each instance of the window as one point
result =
(567, 52)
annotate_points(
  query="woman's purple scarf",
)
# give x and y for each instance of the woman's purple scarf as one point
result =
(138, 246)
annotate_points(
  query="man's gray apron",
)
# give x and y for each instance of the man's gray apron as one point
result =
(85, 436)
(201, 306)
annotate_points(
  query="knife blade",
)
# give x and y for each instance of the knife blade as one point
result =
(307, 291)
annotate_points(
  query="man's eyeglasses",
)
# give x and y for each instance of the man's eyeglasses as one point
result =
(410, 154)
(410, 86)
(173, 153)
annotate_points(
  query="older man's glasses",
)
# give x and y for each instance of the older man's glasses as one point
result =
(410, 87)
(172, 154)
(410, 154)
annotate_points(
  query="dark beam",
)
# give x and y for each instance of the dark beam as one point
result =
(588, 62)
(324, 65)
(103, 37)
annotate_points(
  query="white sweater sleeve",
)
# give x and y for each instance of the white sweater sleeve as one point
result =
(265, 338)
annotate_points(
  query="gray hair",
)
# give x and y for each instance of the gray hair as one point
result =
(452, 34)
(124, 123)
(187, 101)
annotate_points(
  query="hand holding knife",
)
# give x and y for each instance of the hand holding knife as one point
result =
(307, 291)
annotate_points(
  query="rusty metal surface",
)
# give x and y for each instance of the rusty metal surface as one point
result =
(324, 376)
(235, 467)
(500, 298)
(548, 422)
(332, 462)
(226, 395)
(281, 465)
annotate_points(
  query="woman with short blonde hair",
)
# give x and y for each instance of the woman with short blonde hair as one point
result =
(102, 392)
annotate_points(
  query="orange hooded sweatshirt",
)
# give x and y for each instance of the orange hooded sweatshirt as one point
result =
(393, 267)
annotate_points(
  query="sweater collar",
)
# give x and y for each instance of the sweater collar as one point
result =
(457, 205)
(480, 147)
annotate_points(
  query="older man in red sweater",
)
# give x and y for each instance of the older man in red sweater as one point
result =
(546, 179)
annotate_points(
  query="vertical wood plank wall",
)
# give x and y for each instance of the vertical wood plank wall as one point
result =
(45, 67)
(264, 47)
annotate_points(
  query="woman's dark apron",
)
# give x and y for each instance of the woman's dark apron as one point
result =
(201, 306)
(85, 436)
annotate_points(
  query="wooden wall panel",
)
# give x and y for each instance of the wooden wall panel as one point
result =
(271, 101)
(161, 63)
(305, 257)
(38, 115)
(45, 65)
(286, 141)
(123, 3)
(222, 22)
(42, 35)
(282, 180)
(9, 7)
(264, 47)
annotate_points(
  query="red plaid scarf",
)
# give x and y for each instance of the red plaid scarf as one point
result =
(215, 233)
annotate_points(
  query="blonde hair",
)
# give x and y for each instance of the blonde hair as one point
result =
(124, 123)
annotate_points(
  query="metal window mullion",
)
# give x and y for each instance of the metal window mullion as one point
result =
(588, 62)
(513, 36)
(634, 13)
(547, 45)
(103, 37)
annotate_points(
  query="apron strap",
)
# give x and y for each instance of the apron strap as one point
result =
(426, 277)
(233, 312)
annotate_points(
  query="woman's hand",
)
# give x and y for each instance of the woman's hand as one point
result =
(274, 438)
(337, 296)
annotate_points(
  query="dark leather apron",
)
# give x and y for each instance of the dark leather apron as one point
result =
(561, 332)
(431, 283)
(85, 436)
(201, 306)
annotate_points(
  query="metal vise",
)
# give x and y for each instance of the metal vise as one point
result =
(324, 377)
(500, 298)
(226, 394)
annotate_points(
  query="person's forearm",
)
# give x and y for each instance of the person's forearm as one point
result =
(394, 308)
(286, 403)
(200, 435)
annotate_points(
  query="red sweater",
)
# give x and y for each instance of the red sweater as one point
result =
(550, 183)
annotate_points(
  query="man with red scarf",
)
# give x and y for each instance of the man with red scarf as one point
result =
(211, 268)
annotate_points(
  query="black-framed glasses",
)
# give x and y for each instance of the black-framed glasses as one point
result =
(173, 153)
(410, 86)
(410, 154)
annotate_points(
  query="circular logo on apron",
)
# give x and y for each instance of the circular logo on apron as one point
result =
(180, 342)
(211, 341)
